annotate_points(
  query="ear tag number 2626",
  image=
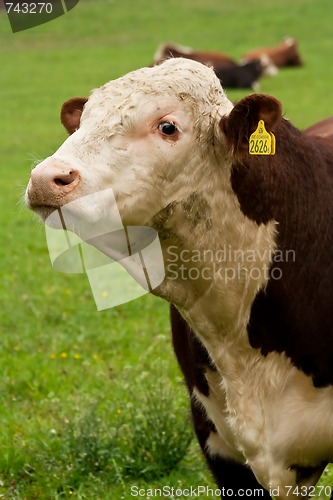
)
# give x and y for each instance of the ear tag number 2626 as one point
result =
(262, 142)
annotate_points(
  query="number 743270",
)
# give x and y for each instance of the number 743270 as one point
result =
(304, 491)
(29, 7)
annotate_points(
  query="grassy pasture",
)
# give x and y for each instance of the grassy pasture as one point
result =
(71, 377)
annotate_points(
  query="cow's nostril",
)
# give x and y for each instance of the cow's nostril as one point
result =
(61, 182)
(65, 178)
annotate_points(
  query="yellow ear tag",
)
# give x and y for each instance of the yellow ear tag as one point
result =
(262, 142)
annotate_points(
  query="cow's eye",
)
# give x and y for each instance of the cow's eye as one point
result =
(167, 128)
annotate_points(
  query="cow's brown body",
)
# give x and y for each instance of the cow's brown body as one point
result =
(284, 54)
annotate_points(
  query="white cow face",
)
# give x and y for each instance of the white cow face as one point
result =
(163, 141)
(150, 136)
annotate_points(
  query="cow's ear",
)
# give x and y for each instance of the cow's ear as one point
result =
(71, 112)
(244, 118)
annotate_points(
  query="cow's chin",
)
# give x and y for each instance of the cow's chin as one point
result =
(82, 222)
(43, 212)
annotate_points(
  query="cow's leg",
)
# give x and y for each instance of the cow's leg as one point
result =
(196, 366)
(228, 474)
(236, 478)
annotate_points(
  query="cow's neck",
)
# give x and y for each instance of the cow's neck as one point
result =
(216, 260)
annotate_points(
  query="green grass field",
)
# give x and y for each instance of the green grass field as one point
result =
(80, 417)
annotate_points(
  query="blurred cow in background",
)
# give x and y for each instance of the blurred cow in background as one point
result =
(230, 73)
(284, 54)
(211, 58)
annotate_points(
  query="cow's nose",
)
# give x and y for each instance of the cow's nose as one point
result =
(51, 184)
(64, 177)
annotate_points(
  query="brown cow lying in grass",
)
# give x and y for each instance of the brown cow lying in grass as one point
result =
(284, 54)
(232, 74)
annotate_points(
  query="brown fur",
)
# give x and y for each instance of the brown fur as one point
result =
(71, 113)
(284, 54)
(294, 187)
(324, 128)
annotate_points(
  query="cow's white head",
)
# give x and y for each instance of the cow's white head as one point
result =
(163, 139)
(150, 135)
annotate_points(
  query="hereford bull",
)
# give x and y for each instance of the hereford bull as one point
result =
(248, 250)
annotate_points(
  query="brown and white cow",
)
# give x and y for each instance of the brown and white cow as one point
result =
(243, 75)
(248, 252)
(231, 73)
(285, 53)
(209, 57)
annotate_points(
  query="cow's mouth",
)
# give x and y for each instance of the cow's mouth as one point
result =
(43, 211)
